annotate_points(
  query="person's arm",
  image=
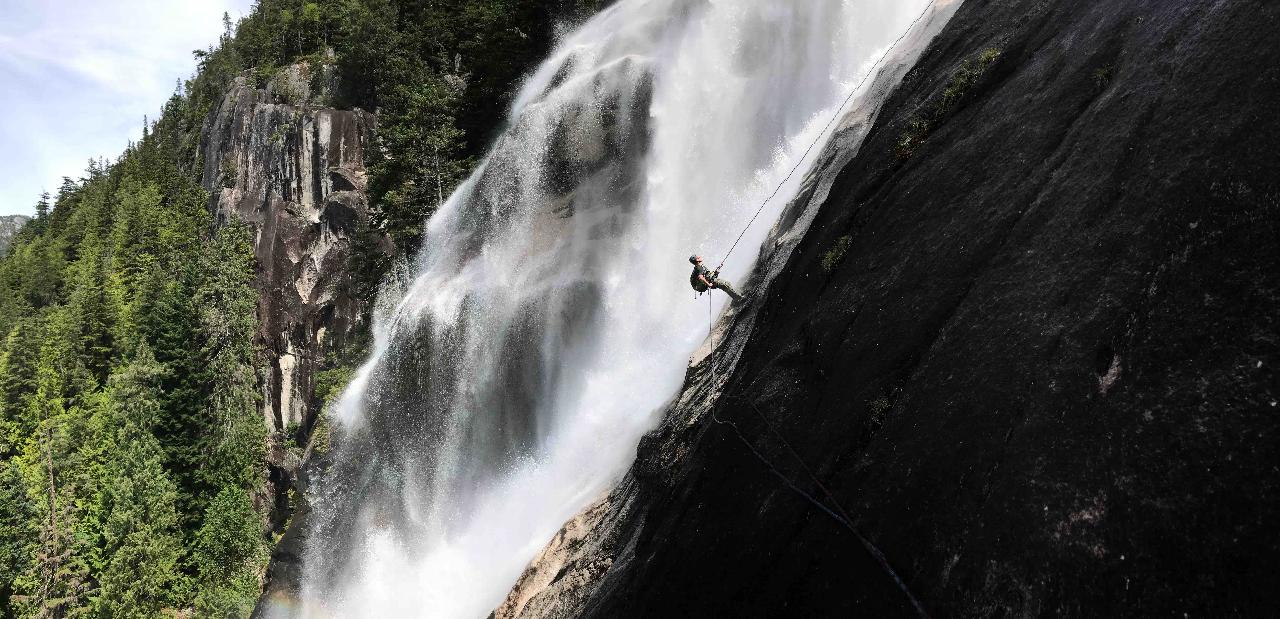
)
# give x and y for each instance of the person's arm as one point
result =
(706, 281)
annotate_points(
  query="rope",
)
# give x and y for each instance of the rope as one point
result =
(834, 117)
(842, 517)
(846, 520)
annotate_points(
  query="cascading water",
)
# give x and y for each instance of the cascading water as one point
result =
(549, 315)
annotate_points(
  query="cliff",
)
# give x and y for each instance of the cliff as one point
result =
(9, 226)
(294, 170)
(1027, 348)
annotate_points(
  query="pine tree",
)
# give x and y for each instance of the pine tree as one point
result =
(227, 303)
(142, 545)
(41, 220)
(17, 531)
(135, 227)
(96, 302)
(230, 549)
(42, 206)
(230, 556)
(19, 363)
(55, 582)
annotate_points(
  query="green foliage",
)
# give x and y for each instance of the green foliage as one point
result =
(17, 531)
(321, 439)
(836, 253)
(1102, 77)
(227, 173)
(330, 383)
(54, 577)
(19, 363)
(421, 161)
(227, 304)
(277, 136)
(141, 540)
(261, 75)
(230, 556)
(957, 89)
(329, 387)
(128, 398)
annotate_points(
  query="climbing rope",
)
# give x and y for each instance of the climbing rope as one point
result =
(842, 517)
(818, 139)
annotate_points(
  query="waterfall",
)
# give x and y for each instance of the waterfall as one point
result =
(548, 318)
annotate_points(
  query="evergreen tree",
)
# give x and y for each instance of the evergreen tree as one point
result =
(19, 363)
(17, 531)
(55, 581)
(95, 304)
(227, 305)
(42, 206)
(142, 545)
(230, 556)
(37, 225)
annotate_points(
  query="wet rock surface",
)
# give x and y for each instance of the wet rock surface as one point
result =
(1029, 343)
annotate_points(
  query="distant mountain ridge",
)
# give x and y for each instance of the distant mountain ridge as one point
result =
(9, 226)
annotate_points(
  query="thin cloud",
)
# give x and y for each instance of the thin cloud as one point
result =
(80, 76)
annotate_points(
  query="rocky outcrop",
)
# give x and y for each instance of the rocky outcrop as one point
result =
(9, 226)
(295, 172)
(1028, 345)
(563, 572)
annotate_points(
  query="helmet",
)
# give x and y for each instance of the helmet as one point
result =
(693, 259)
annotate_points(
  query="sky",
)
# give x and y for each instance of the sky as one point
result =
(78, 76)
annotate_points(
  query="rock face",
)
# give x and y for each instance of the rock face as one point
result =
(9, 226)
(295, 172)
(1028, 346)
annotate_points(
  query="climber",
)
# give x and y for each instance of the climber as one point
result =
(703, 279)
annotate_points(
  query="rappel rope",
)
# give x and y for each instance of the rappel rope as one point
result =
(842, 516)
(818, 139)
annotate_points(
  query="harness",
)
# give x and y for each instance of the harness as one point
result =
(696, 282)
(838, 513)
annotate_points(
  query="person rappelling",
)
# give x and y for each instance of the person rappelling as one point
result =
(703, 279)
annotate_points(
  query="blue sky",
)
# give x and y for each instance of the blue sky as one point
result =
(77, 77)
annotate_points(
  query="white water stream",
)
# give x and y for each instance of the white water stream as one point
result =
(549, 316)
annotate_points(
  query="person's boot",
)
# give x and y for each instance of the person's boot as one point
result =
(729, 290)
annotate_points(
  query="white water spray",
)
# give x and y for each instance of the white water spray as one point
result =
(549, 318)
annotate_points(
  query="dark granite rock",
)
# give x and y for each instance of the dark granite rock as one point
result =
(296, 174)
(1030, 343)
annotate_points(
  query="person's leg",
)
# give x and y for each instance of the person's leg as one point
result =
(728, 289)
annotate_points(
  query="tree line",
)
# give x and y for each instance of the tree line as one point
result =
(131, 445)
